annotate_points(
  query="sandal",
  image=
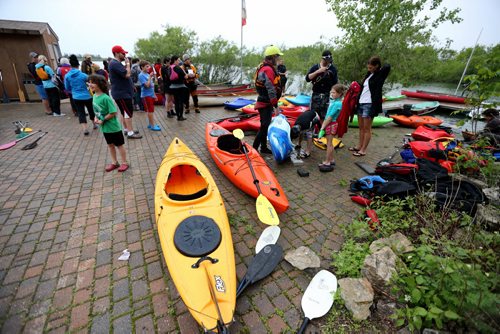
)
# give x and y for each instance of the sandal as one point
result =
(353, 149)
(358, 154)
(111, 167)
(304, 155)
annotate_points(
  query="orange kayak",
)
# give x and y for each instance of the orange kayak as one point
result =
(228, 155)
(415, 121)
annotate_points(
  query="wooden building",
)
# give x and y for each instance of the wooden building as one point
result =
(17, 40)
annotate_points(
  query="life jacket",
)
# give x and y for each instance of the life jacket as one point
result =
(348, 107)
(42, 74)
(192, 68)
(260, 86)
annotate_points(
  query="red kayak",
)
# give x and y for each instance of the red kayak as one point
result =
(430, 132)
(288, 111)
(420, 94)
(226, 150)
(248, 122)
(254, 122)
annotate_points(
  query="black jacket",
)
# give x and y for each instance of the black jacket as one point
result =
(375, 84)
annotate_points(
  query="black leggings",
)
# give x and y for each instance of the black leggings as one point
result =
(180, 96)
(54, 100)
(80, 109)
(266, 115)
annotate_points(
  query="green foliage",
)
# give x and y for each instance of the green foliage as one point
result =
(220, 60)
(386, 28)
(349, 261)
(173, 41)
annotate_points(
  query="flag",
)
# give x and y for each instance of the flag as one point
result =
(243, 13)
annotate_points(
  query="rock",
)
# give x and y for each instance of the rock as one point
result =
(385, 308)
(397, 242)
(493, 195)
(379, 267)
(302, 258)
(488, 215)
(357, 294)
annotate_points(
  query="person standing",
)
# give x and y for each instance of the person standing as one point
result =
(370, 102)
(135, 70)
(122, 88)
(165, 73)
(62, 70)
(38, 82)
(87, 64)
(46, 73)
(148, 96)
(75, 81)
(322, 76)
(191, 77)
(177, 87)
(267, 84)
(283, 74)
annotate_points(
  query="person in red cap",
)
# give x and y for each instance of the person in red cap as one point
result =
(122, 88)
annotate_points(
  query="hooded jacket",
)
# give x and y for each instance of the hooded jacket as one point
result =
(76, 82)
(47, 84)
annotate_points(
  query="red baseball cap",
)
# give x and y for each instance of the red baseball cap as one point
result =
(118, 49)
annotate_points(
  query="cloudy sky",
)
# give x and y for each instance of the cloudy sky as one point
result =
(92, 26)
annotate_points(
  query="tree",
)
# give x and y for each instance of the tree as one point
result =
(219, 60)
(174, 41)
(388, 28)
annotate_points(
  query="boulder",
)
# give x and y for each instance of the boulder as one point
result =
(488, 215)
(302, 258)
(357, 294)
(379, 267)
(493, 195)
(398, 242)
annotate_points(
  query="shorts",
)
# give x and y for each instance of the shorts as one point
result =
(149, 104)
(41, 91)
(126, 107)
(114, 138)
(365, 110)
(331, 129)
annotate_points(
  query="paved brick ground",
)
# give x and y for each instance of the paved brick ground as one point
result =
(64, 221)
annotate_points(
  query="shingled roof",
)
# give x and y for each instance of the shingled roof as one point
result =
(25, 27)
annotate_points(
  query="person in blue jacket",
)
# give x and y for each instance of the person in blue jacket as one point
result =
(75, 81)
(50, 88)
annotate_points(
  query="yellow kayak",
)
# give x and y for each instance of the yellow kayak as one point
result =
(321, 143)
(195, 237)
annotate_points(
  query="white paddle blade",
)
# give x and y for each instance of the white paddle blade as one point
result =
(269, 236)
(318, 297)
(265, 211)
(238, 133)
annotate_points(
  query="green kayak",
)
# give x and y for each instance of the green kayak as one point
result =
(394, 97)
(377, 121)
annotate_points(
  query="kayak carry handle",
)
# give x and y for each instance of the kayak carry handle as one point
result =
(276, 191)
(204, 258)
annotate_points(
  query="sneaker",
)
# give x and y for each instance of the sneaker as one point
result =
(181, 118)
(154, 127)
(197, 110)
(111, 167)
(123, 167)
(265, 150)
(187, 111)
(134, 136)
(58, 115)
(169, 115)
(86, 133)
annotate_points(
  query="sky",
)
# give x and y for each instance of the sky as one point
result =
(93, 26)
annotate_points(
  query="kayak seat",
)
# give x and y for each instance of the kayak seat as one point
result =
(197, 236)
(218, 132)
(185, 183)
(230, 144)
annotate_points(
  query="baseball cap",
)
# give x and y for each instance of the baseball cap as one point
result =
(185, 57)
(327, 55)
(118, 49)
(33, 54)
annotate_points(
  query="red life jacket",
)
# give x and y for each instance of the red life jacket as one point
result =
(260, 85)
(348, 108)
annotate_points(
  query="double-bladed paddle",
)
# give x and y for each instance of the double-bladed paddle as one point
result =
(318, 297)
(269, 236)
(261, 266)
(34, 143)
(265, 210)
(13, 143)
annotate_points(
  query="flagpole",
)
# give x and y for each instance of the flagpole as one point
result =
(241, 42)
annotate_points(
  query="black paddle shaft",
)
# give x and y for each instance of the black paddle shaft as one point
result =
(303, 326)
(34, 142)
(261, 266)
(255, 181)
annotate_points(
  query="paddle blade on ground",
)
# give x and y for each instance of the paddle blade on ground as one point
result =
(265, 211)
(269, 236)
(261, 266)
(318, 297)
(13, 143)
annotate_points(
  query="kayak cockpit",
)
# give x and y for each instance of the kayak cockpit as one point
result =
(230, 144)
(185, 183)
